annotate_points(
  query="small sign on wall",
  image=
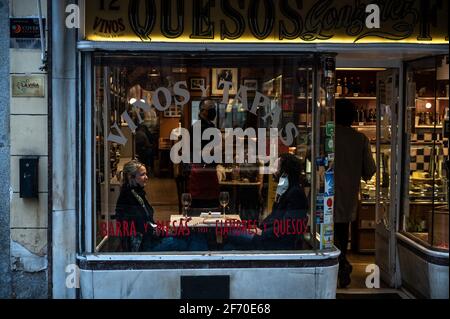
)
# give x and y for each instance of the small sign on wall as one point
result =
(25, 28)
(27, 85)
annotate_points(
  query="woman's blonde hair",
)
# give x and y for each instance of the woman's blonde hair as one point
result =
(129, 172)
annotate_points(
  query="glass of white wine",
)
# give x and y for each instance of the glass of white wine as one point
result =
(224, 199)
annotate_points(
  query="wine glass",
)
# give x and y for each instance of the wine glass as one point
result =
(186, 199)
(224, 198)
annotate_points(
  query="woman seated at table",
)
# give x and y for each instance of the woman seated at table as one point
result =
(290, 206)
(133, 208)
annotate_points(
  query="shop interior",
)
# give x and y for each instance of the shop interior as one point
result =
(121, 81)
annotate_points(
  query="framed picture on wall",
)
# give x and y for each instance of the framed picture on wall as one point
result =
(195, 84)
(173, 111)
(224, 74)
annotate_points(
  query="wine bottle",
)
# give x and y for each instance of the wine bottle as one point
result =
(339, 88)
(370, 116)
(372, 88)
(357, 87)
(345, 86)
(302, 87)
(351, 86)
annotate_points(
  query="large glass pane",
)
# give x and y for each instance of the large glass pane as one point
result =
(144, 106)
(425, 215)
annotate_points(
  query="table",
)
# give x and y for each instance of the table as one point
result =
(204, 222)
(200, 221)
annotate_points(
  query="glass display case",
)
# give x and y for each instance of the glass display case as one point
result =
(426, 188)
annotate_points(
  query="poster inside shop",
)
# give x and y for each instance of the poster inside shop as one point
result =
(319, 209)
(326, 236)
(328, 204)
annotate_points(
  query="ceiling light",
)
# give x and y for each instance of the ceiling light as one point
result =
(153, 72)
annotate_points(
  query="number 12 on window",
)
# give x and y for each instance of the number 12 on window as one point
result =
(112, 5)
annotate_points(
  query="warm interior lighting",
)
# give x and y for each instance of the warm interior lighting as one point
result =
(154, 72)
(338, 39)
(132, 100)
(428, 105)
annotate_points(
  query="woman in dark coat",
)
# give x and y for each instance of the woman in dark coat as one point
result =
(289, 211)
(134, 209)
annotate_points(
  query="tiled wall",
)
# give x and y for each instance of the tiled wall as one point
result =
(421, 155)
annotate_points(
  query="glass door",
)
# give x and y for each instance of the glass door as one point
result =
(386, 176)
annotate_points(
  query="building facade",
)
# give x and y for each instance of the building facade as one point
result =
(52, 244)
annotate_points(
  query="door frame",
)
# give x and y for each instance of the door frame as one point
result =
(385, 230)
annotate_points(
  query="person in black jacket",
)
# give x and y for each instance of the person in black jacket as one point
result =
(133, 208)
(203, 183)
(353, 162)
(144, 144)
(289, 211)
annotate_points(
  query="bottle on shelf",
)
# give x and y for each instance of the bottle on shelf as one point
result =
(302, 87)
(372, 88)
(339, 88)
(361, 117)
(421, 118)
(371, 116)
(345, 88)
(351, 86)
(356, 116)
(365, 115)
(357, 87)
(427, 118)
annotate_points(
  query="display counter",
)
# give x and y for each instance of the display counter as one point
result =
(424, 271)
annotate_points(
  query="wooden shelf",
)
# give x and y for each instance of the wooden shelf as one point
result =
(432, 98)
(365, 126)
(428, 126)
(356, 97)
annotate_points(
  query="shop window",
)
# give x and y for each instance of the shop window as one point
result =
(132, 99)
(426, 201)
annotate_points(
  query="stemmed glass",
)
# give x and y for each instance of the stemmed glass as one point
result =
(224, 198)
(186, 199)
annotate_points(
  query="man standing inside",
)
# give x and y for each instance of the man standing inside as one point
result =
(353, 161)
(203, 182)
